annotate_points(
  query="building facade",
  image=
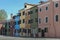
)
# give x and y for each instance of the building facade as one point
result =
(48, 18)
(17, 25)
(22, 24)
(24, 17)
(27, 19)
(33, 21)
(41, 20)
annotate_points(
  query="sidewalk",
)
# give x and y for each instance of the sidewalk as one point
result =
(20, 38)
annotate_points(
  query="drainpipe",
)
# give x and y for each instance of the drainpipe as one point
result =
(53, 21)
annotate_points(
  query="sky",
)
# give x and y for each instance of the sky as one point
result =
(12, 6)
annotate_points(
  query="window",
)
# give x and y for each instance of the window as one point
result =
(23, 20)
(36, 10)
(46, 8)
(14, 17)
(25, 6)
(24, 30)
(31, 12)
(29, 30)
(23, 13)
(56, 18)
(19, 30)
(19, 22)
(40, 10)
(30, 21)
(28, 12)
(39, 29)
(46, 19)
(39, 20)
(46, 29)
(56, 5)
(36, 19)
(19, 14)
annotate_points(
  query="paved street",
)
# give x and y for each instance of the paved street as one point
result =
(18, 38)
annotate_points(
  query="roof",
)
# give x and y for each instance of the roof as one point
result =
(27, 4)
(21, 9)
(30, 4)
(32, 7)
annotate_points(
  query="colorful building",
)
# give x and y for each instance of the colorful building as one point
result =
(17, 25)
(41, 20)
(33, 21)
(24, 19)
(11, 25)
(27, 18)
(48, 18)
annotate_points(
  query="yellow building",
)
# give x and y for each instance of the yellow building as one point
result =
(24, 17)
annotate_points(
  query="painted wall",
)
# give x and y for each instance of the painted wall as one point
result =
(34, 17)
(22, 25)
(27, 19)
(53, 29)
(26, 16)
(17, 26)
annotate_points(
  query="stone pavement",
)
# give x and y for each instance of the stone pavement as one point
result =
(19, 38)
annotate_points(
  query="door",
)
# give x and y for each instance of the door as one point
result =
(42, 33)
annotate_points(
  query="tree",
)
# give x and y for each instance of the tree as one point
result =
(3, 15)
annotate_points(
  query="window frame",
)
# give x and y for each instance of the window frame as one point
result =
(39, 29)
(39, 20)
(46, 8)
(36, 10)
(56, 4)
(23, 20)
(40, 9)
(46, 19)
(23, 12)
(25, 6)
(56, 18)
(19, 22)
(46, 29)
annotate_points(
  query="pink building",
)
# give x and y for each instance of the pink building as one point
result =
(49, 18)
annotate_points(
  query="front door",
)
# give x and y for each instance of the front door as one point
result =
(42, 33)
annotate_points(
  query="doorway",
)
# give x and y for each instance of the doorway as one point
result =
(42, 33)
